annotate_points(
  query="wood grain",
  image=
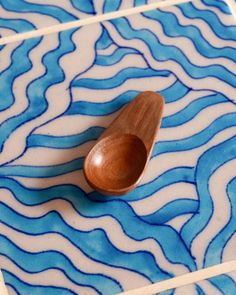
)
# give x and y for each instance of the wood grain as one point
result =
(117, 162)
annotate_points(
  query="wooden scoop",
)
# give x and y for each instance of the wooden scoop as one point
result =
(115, 165)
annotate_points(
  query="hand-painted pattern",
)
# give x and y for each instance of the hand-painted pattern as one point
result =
(58, 93)
(18, 16)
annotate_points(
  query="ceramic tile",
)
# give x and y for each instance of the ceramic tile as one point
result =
(18, 16)
(58, 93)
(224, 284)
(111, 5)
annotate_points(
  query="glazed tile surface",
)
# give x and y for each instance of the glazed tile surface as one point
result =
(18, 16)
(209, 287)
(58, 93)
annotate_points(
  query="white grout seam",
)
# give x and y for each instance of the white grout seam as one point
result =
(186, 279)
(88, 21)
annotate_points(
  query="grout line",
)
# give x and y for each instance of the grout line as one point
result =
(87, 21)
(185, 279)
(3, 288)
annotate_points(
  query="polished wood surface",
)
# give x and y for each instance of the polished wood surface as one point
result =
(117, 162)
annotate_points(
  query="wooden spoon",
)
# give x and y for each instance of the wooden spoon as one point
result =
(115, 165)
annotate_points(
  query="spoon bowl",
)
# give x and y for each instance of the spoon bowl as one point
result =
(112, 166)
(117, 162)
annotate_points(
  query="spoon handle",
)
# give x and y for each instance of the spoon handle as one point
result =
(141, 117)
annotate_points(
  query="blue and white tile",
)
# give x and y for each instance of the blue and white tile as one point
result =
(57, 235)
(215, 286)
(18, 16)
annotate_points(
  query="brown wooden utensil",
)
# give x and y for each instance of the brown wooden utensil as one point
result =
(115, 165)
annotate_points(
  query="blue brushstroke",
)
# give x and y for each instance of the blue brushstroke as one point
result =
(225, 284)
(29, 262)
(85, 6)
(101, 109)
(221, 5)
(64, 142)
(165, 236)
(219, 29)
(198, 139)
(171, 210)
(111, 5)
(41, 171)
(215, 248)
(172, 53)
(208, 163)
(15, 69)
(37, 88)
(191, 110)
(21, 6)
(53, 223)
(115, 57)
(104, 41)
(191, 32)
(175, 175)
(174, 92)
(23, 287)
(121, 77)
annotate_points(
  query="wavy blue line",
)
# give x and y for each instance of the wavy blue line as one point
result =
(115, 57)
(109, 6)
(199, 290)
(26, 288)
(37, 88)
(207, 164)
(42, 171)
(51, 259)
(200, 138)
(212, 19)
(85, 6)
(215, 248)
(175, 92)
(63, 142)
(175, 175)
(167, 237)
(141, 262)
(140, 2)
(170, 52)
(180, 174)
(171, 210)
(14, 70)
(101, 109)
(119, 78)
(73, 280)
(104, 41)
(191, 32)
(192, 110)
(17, 25)
(224, 284)
(69, 89)
(221, 5)
(161, 147)
(20, 6)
